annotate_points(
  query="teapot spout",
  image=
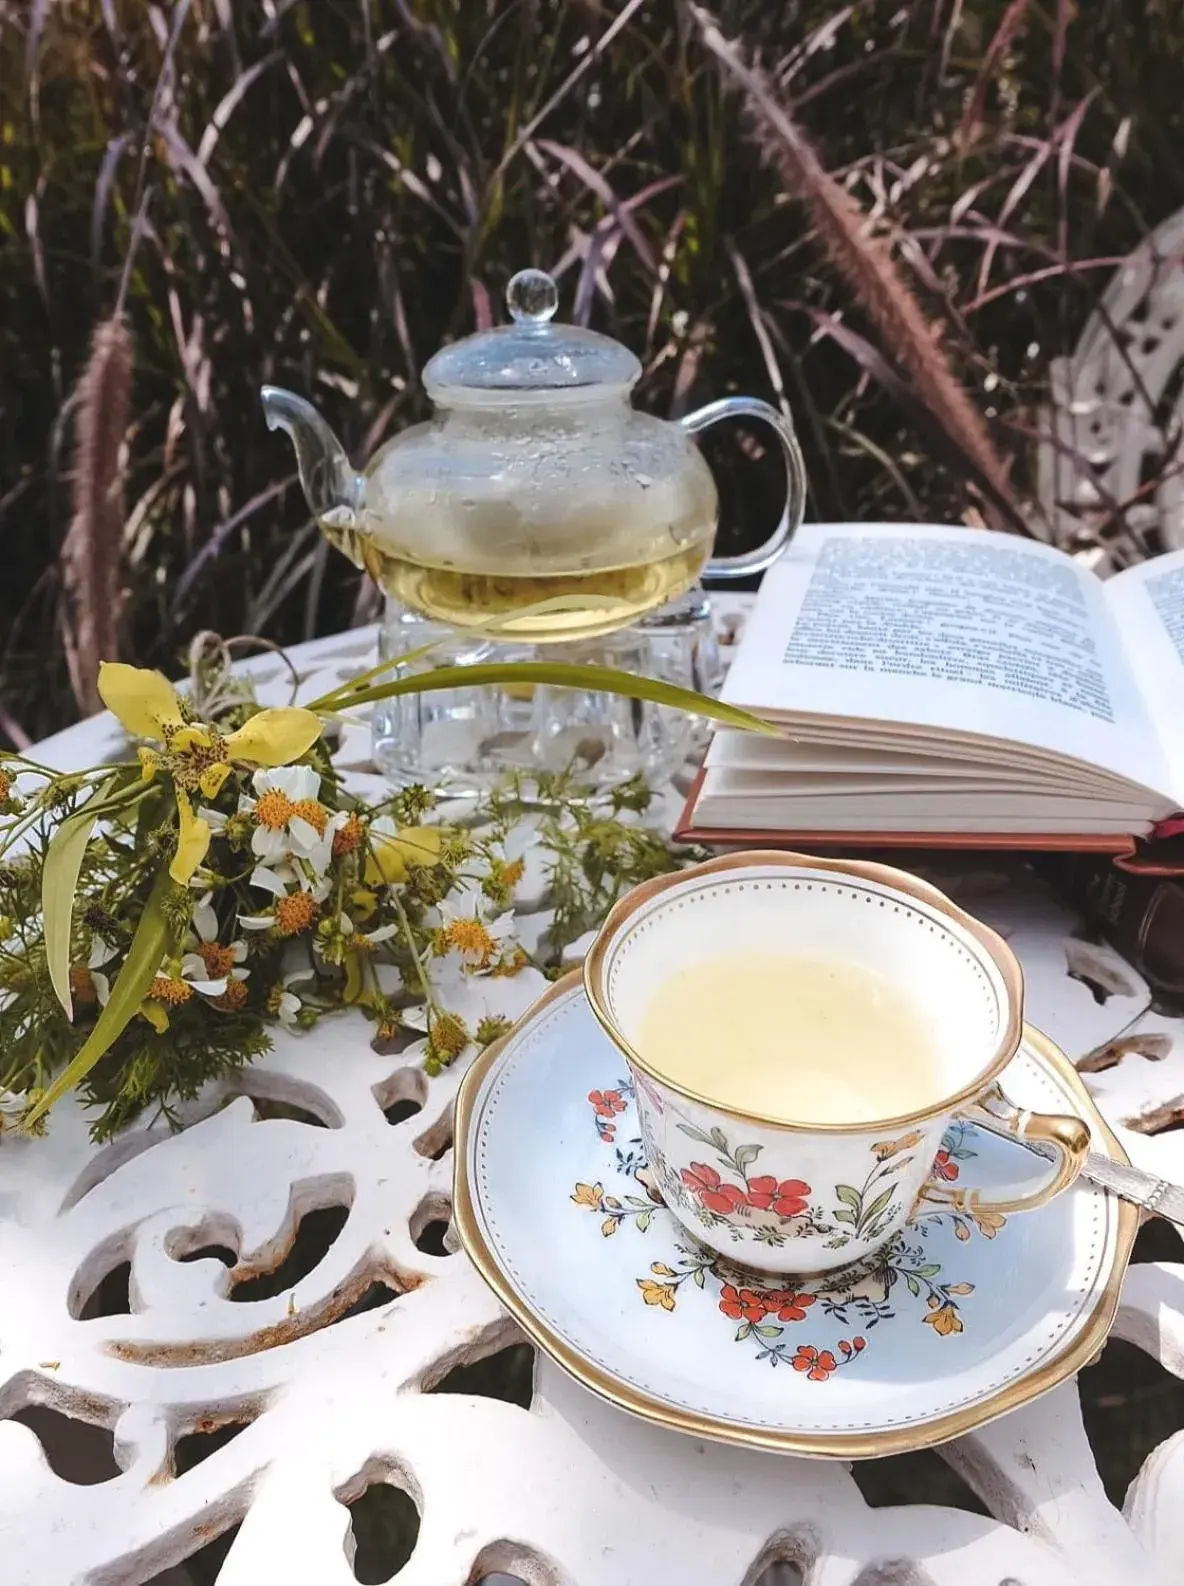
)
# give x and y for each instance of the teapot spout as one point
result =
(331, 485)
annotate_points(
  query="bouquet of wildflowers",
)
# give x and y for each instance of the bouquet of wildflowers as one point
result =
(159, 914)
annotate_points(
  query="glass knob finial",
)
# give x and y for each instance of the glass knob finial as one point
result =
(532, 298)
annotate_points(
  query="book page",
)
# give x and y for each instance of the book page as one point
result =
(951, 628)
(1147, 603)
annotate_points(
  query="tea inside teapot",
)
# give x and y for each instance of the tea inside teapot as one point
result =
(537, 504)
(541, 548)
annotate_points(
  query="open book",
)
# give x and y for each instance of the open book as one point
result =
(950, 686)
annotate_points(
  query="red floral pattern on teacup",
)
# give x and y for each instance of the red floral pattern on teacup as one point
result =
(718, 1197)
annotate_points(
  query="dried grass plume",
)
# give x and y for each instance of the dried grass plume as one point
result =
(867, 266)
(90, 558)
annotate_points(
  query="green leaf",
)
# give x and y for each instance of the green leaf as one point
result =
(696, 1134)
(745, 1154)
(767, 1330)
(914, 1286)
(844, 1216)
(555, 674)
(59, 879)
(850, 1197)
(719, 1140)
(643, 1221)
(878, 1205)
(341, 698)
(929, 1272)
(743, 1331)
(698, 1278)
(153, 939)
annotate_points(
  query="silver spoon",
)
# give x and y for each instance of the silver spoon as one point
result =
(1134, 1184)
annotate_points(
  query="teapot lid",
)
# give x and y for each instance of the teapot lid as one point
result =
(531, 356)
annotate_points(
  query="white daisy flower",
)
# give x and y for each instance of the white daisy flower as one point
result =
(507, 858)
(282, 880)
(475, 1007)
(194, 972)
(286, 1008)
(101, 952)
(479, 941)
(289, 819)
(218, 961)
(205, 921)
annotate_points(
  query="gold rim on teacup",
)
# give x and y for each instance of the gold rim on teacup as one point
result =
(992, 945)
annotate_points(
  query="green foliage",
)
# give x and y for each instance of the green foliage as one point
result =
(332, 188)
(136, 969)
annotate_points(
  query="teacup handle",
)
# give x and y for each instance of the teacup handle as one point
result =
(795, 485)
(1060, 1137)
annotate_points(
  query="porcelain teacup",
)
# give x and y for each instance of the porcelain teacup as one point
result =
(795, 1197)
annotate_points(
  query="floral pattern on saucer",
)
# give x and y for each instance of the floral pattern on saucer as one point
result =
(856, 1297)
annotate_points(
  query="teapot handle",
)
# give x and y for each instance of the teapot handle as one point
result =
(795, 496)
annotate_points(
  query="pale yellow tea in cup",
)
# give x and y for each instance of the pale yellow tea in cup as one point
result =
(812, 1040)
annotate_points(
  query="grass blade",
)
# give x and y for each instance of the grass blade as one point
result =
(556, 674)
(59, 878)
(151, 942)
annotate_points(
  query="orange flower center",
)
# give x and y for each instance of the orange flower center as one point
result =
(512, 873)
(470, 938)
(295, 913)
(5, 785)
(274, 809)
(219, 961)
(315, 814)
(348, 837)
(233, 997)
(171, 989)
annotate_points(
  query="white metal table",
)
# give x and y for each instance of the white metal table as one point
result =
(127, 1306)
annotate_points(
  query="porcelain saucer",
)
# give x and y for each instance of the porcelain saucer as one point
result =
(965, 1316)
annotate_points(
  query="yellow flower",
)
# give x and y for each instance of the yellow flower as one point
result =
(883, 1149)
(193, 841)
(362, 902)
(355, 973)
(197, 756)
(155, 1014)
(944, 1319)
(392, 852)
(588, 1195)
(147, 704)
(275, 737)
(658, 1293)
(988, 1223)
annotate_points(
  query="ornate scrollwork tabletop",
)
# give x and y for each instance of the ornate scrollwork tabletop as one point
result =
(150, 1304)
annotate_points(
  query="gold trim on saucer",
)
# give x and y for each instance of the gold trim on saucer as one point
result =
(993, 945)
(824, 1445)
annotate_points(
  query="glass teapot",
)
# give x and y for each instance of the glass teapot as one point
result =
(537, 504)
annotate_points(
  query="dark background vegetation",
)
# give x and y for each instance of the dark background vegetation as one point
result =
(331, 188)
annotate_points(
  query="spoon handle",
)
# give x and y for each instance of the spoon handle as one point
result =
(1133, 1184)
